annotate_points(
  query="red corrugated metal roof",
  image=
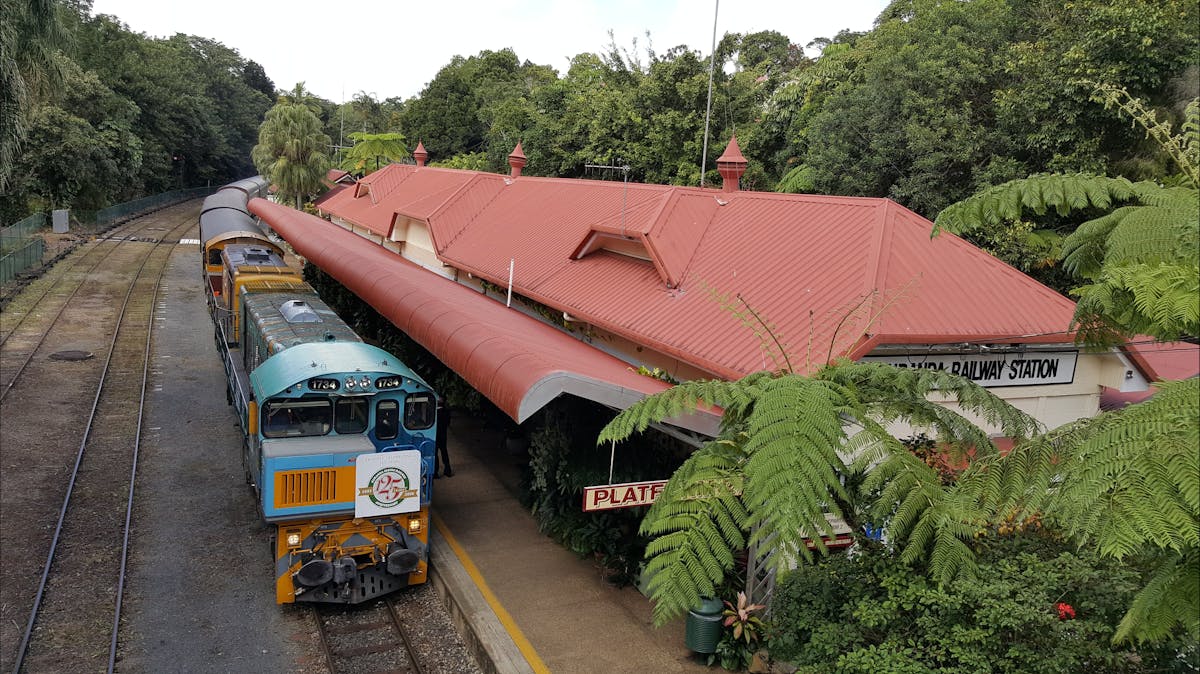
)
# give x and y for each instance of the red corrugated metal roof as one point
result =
(1160, 361)
(831, 275)
(518, 362)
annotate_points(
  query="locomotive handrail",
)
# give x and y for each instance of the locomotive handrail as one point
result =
(237, 393)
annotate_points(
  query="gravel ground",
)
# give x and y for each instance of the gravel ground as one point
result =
(201, 593)
(438, 645)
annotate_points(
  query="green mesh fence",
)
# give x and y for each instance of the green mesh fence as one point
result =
(14, 236)
(106, 215)
(21, 259)
(22, 249)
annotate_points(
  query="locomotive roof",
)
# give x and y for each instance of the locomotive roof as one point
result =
(316, 359)
(286, 319)
(253, 255)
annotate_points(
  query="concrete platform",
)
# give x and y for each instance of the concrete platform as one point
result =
(524, 603)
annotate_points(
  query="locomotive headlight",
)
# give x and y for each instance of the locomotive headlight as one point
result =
(414, 525)
(364, 382)
(351, 384)
(293, 539)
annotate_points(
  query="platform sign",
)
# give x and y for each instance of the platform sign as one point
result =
(627, 495)
(387, 483)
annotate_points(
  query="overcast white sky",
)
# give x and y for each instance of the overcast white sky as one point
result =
(395, 47)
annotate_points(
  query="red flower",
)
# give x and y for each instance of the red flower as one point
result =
(1065, 611)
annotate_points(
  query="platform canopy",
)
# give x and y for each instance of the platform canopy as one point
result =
(517, 362)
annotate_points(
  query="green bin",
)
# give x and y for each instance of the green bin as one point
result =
(702, 629)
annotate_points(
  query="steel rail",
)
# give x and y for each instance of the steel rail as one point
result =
(137, 443)
(23, 649)
(58, 315)
(106, 239)
(332, 658)
(412, 653)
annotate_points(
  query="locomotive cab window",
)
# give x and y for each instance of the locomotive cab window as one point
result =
(387, 420)
(291, 418)
(350, 415)
(214, 255)
(418, 411)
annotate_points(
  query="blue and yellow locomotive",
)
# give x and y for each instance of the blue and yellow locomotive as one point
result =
(339, 435)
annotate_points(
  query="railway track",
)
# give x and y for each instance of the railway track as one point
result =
(104, 306)
(26, 323)
(370, 639)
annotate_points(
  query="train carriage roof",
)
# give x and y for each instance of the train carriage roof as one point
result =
(301, 362)
(251, 187)
(225, 223)
(225, 197)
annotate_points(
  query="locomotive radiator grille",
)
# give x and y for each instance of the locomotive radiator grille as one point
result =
(306, 487)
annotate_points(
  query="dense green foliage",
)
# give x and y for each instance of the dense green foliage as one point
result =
(129, 115)
(939, 100)
(29, 35)
(1140, 258)
(1125, 483)
(872, 613)
(945, 98)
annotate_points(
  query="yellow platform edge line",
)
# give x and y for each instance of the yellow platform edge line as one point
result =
(506, 620)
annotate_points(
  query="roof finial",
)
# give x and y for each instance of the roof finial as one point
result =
(517, 160)
(731, 165)
(420, 154)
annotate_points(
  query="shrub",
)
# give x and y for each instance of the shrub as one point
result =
(1035, 606)
(563, 459)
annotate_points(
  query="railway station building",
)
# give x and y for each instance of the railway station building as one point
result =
(532, 287)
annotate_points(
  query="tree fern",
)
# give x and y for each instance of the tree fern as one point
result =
(1039, 194)
(775, 471)
(1168, 600)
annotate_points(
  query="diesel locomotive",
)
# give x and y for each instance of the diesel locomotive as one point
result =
(338, 434)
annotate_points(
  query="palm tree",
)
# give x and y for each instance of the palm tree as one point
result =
(776, 469)
(291, 151)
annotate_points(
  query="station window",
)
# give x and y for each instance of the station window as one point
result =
(292, 418)
(350, 415)
(387, 420)
(419, 412)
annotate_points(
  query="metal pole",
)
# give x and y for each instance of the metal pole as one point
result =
(712, 61)
(511, 262)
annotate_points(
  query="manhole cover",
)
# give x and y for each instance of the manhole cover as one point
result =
(70, 355)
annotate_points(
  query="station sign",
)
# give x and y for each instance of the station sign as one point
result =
(627, 495)
(387, 483)
(994, 370)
